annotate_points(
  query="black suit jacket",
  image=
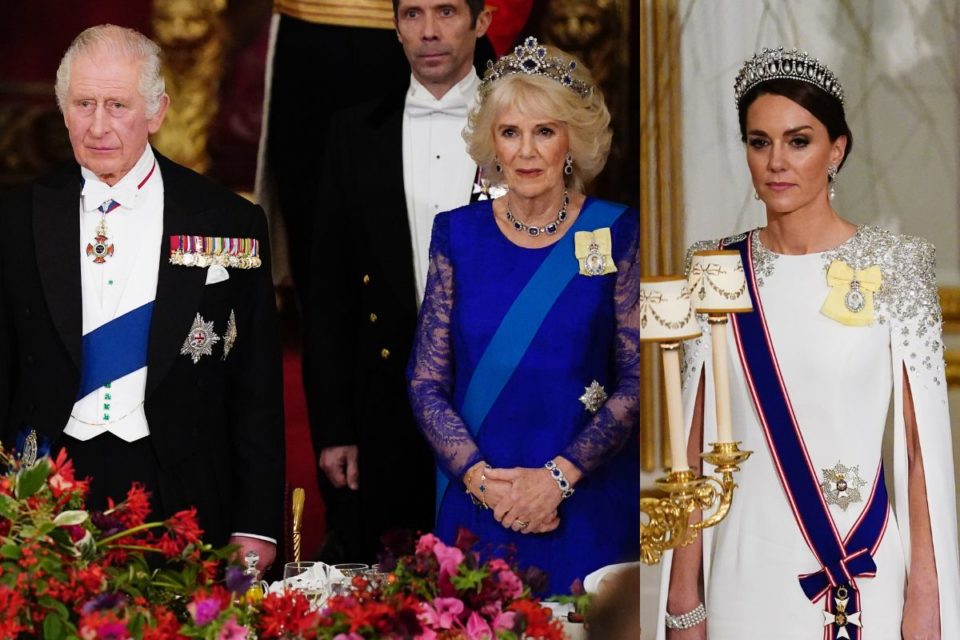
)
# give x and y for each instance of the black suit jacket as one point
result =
(362, 314)
(216, 426)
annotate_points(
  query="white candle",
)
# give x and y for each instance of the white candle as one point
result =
(721, 381)
(674, 405)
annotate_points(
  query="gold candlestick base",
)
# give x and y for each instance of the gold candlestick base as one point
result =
(668, 525)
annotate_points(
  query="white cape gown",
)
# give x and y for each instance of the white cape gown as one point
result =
(840, 380)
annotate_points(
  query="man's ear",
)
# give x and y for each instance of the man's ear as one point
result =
(153, 124)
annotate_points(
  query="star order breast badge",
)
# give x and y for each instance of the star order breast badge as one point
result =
(593, 397)
(230, 335)
(200, 340)
(841, 485)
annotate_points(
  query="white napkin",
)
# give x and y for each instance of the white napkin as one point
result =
(321, 572)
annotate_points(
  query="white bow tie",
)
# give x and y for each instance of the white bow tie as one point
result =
(451, 104)
(95, 193)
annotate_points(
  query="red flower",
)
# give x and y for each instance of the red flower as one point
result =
(170, 547)
(285, 614)
(536, 621)
(184, 525)
(134, 510)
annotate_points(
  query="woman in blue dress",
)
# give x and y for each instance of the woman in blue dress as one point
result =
(525, 372)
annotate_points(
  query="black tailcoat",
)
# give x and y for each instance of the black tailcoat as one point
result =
(216, 427)
(362, 315)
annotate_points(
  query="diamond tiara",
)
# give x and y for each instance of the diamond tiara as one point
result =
(777, 64)
(531, 58)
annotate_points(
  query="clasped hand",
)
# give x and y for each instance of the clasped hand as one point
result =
(522, 495)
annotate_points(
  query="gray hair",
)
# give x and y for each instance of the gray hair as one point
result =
(122, 42)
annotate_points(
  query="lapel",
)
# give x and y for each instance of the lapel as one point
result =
(387, 223)
(56, 233)
(179, 289)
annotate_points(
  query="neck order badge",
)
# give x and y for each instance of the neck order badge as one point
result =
(101, 248)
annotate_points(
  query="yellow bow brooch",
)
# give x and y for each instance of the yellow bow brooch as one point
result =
(594, 251)
(850, 300)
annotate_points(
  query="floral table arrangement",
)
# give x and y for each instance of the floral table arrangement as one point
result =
(66, 572)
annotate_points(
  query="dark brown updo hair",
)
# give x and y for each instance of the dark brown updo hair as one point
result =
(824, 107)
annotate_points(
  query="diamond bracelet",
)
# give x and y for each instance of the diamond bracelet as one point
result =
(557, 474)
(686, 620)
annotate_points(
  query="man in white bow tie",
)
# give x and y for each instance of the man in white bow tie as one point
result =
(391, 165)
(137, 319)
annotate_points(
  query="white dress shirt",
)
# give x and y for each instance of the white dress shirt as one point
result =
(438, 174)
(126, 281)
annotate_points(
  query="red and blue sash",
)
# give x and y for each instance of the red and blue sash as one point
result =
(842, 560)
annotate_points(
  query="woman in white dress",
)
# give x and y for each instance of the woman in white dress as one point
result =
(845, 316)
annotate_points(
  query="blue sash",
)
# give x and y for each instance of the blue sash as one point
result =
(523, 319)
(115, 349)
(841, 560)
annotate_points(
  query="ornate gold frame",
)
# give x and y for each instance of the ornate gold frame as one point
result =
(661, 190)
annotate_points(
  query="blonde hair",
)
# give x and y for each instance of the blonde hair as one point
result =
(586, 118)
(122, 42)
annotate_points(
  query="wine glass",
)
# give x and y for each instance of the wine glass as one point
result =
(308, 578)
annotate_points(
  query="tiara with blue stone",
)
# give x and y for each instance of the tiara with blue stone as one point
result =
(532, 58)
(777, 64)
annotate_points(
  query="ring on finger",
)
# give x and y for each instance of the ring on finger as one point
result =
(521, 524)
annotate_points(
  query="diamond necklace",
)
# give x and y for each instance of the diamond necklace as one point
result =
(550, 228)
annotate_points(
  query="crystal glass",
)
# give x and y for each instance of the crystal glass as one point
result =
(308, 577)
(351, 569)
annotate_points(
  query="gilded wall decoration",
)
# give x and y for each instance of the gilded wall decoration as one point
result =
(191, 34)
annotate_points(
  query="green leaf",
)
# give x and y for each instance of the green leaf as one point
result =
(30, 479)
(53, 627)
(55, 606)
(10, 550)
(8, 507)
(67, 518)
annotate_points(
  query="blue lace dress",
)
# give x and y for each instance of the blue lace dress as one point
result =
(591, 333)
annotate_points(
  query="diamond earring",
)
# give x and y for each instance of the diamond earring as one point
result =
(832, 180)
(568, 164)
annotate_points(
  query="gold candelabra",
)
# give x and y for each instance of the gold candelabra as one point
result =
(716, 287)
(669, 525)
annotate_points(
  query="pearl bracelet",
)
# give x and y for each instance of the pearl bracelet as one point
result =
(557, 474)
(686, 620)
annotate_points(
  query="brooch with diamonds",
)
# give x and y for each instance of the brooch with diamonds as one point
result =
(841, 485)
(850, 300)
(594, 252)
(230, 335)
(593, 397)
(200, 340)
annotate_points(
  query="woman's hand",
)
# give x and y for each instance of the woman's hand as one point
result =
(921, 613)
(533, 499)
(494, 490)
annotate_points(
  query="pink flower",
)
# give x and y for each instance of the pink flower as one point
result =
(427, 634)
(442, 614)
(510, 584)
(449, 559)
(498, 564)
(233, 631)
(204, 611)
(348, 636)
(112, 631)
(505, 621)
(426, 543)
(477, 628)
